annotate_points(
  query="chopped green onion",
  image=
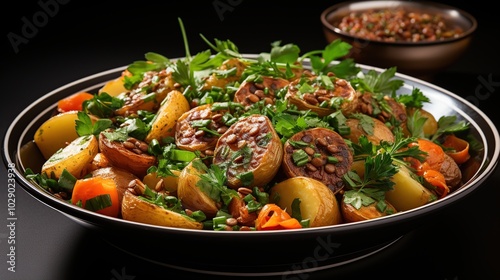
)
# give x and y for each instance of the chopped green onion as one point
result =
(300, 157)
(67, 180)
(298, 144)
(182, 155)
(333, 159)
(253, 206)
(246, 178)
(219, 221)
(154, 147)
(344, 130)
(98, 203)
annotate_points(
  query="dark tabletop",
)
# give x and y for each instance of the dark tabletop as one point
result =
(74, 39)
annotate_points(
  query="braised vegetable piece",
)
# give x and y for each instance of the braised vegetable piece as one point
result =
(319, 153)
(323, 95)
(97, 194)
(437, 160)
(352, 214)
(191, 194)
(273, 217)
(56, 132)
(138, 207)
(121, 177)
(148, 94)
(130, 154)
(451, 172)
(265, 88)
(456, 148)
(172, 108)
(73, 102)
(251, 151)
(408, 193)
(74, 158)
(374, 129)
(384, 108)
(116, 86)
(318, 204)
(200, 128)
(168, 183)
(229, 72)
(404, 193)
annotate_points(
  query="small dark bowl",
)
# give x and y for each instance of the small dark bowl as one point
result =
(255, 253)
(421, 59)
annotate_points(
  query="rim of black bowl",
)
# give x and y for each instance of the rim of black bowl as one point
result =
(20, 132)
(453, 12)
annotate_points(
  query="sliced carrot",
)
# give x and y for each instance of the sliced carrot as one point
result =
(436, 179)
(460, 148)
(272, 217)
(290, 224)
(430, 168)
(73, 102)
(89, 188)
(434, 159)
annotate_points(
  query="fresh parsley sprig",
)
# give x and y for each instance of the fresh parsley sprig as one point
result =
(102, 105)
(382, 83)
(415, 99)
(371, 187)
(381, 163)
(85, 126)
(449, 124)
(213, 182)
(321, 60)
(153, 62)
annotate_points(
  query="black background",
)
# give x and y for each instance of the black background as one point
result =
(77, 38)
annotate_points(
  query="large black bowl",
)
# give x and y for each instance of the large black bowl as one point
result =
(250, 253)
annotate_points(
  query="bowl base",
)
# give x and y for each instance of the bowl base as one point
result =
(308, 265)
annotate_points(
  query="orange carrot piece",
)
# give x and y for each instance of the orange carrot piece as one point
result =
(460, 153)
(272, 217)
(89, 188)
(73, 102)
(290, 224)
(436, 179)
(434, 159)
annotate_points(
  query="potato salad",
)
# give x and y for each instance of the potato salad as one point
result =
(282, 140)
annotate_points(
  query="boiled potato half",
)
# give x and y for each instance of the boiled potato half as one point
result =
(75, 157)
(55, 133)
(407, 193)
(191, 196)
(173, 106)
(317, 201)
(380, 131)
(138, 210)
(351, 214)
(114, 87)
(169, 183)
